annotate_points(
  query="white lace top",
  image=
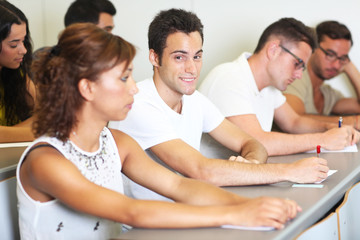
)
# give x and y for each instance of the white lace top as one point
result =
(54, 220)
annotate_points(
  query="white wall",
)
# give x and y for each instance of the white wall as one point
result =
(231, 26)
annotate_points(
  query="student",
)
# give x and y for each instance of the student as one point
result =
(17, 91)
(169, 116)
(248, 92)
(311, 96)
(69, 179)
(99, 12)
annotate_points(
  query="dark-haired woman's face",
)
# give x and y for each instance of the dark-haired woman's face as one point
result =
(13, 49)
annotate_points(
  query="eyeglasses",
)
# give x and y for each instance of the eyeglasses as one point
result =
(300, 63)
(332, 56)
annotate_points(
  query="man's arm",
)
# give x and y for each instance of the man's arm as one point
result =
(282, 143)
(191, 163)
(299, 107)
(237, 140)
(354, 75)
(350, 105)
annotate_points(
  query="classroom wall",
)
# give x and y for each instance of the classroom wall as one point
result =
(230, 26)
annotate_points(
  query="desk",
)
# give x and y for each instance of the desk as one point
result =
(315, 202)
(9, 157)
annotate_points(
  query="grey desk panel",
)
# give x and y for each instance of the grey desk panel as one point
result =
(315, 202)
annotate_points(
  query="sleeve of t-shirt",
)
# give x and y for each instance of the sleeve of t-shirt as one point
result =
(147, 124)
(232, 100)
(338, 95)
(279, 98)
(298, 88)
(212, 115)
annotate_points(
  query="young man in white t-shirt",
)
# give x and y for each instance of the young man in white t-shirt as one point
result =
(169, 116)
(312, 96)
(248, 92)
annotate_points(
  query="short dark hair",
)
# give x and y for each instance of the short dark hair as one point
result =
(171, 21)
(88, 11)
(333, 30)
(289, 29)
(58, 71)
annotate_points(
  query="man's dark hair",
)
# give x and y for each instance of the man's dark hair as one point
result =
(333, 30)
(289, 30)
(88, 11)
(168, 22)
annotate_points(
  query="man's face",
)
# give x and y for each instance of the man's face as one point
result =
(106, 22)
(320, 63)
(287, 66)
(181, 64)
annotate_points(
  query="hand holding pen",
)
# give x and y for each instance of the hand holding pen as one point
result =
(340, 121)
(318, 150)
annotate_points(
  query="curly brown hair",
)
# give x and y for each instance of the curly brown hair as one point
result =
(83, 51)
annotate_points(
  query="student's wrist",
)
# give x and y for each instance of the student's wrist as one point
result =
(356, 122)
(285, 172)
(348, 68)
(329, 125)
(352, 121)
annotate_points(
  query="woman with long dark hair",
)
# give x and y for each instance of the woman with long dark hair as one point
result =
(17, 91)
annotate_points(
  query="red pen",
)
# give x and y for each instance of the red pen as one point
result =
(318, 150)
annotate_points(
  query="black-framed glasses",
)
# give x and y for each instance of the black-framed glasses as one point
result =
(332, 56)
(300, 63)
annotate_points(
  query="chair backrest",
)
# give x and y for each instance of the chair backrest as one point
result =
(327, 228)
(349, 214)
(9, 227)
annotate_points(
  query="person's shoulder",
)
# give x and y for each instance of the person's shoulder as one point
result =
(144, 82)
(145, 87)
(195, 96)
(122, 140)
(38, 155)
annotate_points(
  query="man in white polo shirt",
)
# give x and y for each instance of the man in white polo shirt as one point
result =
(248, 92)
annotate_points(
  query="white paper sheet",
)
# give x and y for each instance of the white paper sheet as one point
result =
(308, 185)
(330, 172)
(316, 184)
(352, 148)
(248, 228)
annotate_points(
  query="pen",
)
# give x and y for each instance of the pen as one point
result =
(340, 121)
(318, 150)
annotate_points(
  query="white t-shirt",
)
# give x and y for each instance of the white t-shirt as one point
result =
(54, 220)
(232, 88)
(151, 121)
(302, 88)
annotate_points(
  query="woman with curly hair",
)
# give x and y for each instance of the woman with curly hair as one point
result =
(17, 91)
(69, 179)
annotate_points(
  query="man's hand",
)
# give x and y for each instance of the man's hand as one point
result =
(308, 170)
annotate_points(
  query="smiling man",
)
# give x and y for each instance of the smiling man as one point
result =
(311, 96)
(169, 116)
(248, 92)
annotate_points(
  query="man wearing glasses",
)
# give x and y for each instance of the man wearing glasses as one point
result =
(248, 92)
(310, 96)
